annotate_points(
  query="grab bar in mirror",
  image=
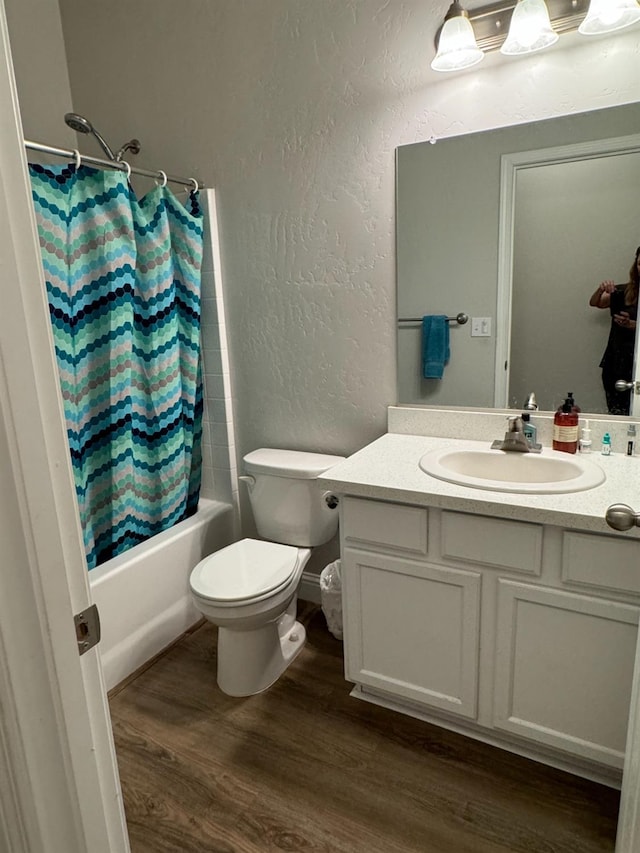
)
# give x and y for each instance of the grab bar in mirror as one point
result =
(460, 319)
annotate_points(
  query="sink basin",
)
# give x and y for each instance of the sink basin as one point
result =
(549, 472)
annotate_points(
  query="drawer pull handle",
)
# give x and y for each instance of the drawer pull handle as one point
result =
(622, 517)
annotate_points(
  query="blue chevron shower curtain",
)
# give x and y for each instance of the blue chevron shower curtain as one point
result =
(123, 283)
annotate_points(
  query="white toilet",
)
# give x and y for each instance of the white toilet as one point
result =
(249, 589)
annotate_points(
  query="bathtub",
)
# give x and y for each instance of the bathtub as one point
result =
(143, 595)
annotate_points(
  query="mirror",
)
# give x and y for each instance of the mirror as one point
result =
(516, 227)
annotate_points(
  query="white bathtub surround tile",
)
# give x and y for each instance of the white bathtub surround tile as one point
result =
(206, 433)
(207, 456)
(221, 456)
(208, 290)
(208, 310)
(207, 257)
(217, 410)
(208, 484)
(222, 477)
(218, 385)
(211, 341)
(211, 358)
(219, 435)
(224, 355)
(214, 384)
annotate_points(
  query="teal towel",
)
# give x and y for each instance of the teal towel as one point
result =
(435, 345)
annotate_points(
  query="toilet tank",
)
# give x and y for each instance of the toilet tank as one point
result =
(287, 500)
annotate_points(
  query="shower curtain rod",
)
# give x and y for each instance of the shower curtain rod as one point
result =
(122, 165)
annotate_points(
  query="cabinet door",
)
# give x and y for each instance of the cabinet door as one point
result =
(411, 629)
(564, 667)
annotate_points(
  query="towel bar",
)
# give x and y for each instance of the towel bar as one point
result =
(460, 319)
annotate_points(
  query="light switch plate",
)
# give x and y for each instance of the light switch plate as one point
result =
(481, 327)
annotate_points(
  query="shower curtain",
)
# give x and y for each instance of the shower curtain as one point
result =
(123, 284)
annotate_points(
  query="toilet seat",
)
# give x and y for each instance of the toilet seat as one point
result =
(248, 570)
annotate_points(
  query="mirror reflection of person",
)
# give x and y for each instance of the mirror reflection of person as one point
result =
(617, 361)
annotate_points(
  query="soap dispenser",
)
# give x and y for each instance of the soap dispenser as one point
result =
(565, 426)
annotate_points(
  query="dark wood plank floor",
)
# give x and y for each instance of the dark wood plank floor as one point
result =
(304, 767)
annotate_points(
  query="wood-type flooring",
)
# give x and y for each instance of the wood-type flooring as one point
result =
(305, 767)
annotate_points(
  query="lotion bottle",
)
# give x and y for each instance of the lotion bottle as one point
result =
(565, 427)
(585, 439)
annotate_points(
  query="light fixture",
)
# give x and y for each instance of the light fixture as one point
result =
(530, 29)
(606, 16)
(522, 26)
(457, 46)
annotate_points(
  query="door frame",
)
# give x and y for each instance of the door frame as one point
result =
(61, 790)
(510, 165)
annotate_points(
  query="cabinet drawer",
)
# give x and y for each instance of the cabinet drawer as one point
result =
(512, 545)
(605, 562)
(403, 528)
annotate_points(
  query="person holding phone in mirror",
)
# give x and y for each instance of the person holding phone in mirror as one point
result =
(617, 361)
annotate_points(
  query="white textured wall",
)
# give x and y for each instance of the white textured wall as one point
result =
(293, 109)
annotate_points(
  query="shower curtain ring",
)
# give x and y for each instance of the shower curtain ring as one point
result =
(127, 168)
(162, 175)
(77, 157)
(195, 185)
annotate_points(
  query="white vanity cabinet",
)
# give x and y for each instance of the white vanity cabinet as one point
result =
(516, 633)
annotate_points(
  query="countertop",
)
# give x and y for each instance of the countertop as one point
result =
(388, 469)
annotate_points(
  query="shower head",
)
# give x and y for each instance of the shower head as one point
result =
(82, 125)
(78, 123)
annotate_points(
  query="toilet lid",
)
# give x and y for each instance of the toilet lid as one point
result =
(246, 569)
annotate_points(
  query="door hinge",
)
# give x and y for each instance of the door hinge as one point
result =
(87, 628)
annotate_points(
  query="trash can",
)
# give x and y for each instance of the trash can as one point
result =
(331, 596)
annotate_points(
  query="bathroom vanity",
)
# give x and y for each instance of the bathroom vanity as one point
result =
(511, 618)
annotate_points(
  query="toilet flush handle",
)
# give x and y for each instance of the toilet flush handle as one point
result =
(330, 499)
(249, 480)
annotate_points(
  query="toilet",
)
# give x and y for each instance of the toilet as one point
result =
(249, 589)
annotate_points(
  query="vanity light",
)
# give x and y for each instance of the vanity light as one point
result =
(606, 16)
(522, 26)
(457, 46)
(530, 29)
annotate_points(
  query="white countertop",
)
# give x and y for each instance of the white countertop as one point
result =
(388, 469)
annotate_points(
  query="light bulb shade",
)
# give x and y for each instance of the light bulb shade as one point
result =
(457, 46)
(606, 16)
(530, 29)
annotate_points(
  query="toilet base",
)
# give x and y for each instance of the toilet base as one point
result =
(250, 661)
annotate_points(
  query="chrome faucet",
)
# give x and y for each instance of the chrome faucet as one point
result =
(515, 439)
